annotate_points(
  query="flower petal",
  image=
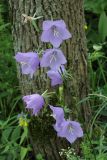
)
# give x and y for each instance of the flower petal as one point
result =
(45, 36)
(59, 23)
(58, 113)
(47, 24)
(55, 40)
(64, 33)
(21, 57)
(77, 129)
(26, 69)
(55, 77)
(60, 59)
(45, 60)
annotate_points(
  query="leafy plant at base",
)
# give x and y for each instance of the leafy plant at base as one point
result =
(13, 140)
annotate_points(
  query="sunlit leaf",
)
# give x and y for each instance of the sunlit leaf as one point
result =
(23, 152)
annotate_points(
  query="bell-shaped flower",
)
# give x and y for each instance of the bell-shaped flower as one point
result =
(56, 76)
(34, 102)
(53, 58)
(58, 114)
(29, 62)
(55, 32)
(70, 130)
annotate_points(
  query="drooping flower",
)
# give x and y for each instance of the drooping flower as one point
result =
(55, 32)
(53, 58)
(29, 62)
(58, 114)
(56, 76)
(34, 102)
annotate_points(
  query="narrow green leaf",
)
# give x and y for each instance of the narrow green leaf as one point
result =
(23, 152)
(6, 134)
(24, 135)
(5, 149)
(35, 26)
(102, 26)
(4, 26)
(16, 133)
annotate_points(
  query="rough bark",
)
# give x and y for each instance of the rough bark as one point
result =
(26, 38)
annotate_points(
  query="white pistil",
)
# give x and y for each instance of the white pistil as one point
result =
(53, 58)
(23, 63)
(55, 31)
(70, 128)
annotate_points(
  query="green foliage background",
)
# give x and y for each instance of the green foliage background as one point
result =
(8, 79)
(96, 17)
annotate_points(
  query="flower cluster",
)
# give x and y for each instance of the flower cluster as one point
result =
(70, 130)
(54, 32)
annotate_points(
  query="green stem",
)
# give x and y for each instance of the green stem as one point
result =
(96, 117)
(101, 69)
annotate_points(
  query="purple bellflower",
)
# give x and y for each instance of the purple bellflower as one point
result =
(55, 32)
(29, 62)
(34, 102)
(58, 114)
(56, 76)
(70, 130)
(53, 58)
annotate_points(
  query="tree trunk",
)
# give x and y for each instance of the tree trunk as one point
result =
(26, 38)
